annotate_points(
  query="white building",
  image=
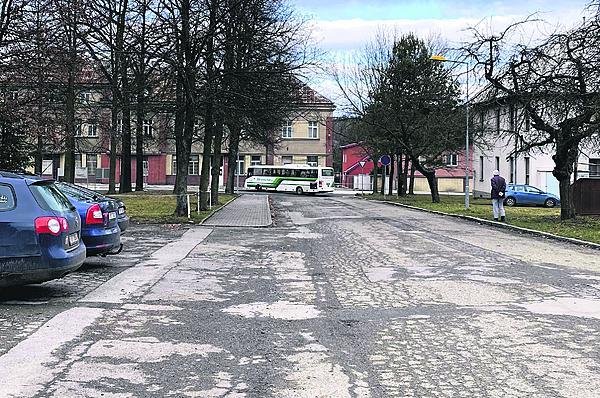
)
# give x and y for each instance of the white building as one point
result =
(503, 127)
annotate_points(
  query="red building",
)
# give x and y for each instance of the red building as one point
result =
(451, 177)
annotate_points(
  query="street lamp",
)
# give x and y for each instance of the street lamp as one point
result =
(441, 58)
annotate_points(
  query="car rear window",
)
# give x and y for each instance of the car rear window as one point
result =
(73, 192)
(49, 197)
(327, 172)
(7, 198)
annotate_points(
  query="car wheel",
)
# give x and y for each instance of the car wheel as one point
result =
(550, 203)
(299, 190)
(510, 201)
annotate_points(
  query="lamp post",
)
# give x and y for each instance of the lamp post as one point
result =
(441, 58)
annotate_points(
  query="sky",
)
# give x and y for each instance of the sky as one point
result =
(343, 27)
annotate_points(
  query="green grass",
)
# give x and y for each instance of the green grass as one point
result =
(537, 218)
(158, 207)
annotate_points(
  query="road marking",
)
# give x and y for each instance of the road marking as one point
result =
(135, 280)
(28, 366)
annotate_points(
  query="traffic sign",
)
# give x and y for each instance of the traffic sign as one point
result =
(385, 160)
(362, 163)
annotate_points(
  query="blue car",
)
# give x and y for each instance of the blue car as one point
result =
(521, 194)
(99, 230)
(39, 231)
(122, 217)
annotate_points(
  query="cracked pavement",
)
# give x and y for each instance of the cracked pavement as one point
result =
(340, 297)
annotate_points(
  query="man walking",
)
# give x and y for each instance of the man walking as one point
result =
(498, 192)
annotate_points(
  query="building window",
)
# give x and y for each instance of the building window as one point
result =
(119, 126)
(145, 166)
(527, 171)
(452, 159)
(287, 159)
(481, 168)
(85, 96)
(194, 165)
(241, 167)
(498, 163)
(594, 167)
(92, 129)
(312, 160)
(313, 130)
(78, 160)
(511, 167)
(92, 163)
(78, 130)
(286, 130)
(255, 160)
(147, 127)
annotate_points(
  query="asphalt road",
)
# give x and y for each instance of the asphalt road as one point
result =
(341, 297)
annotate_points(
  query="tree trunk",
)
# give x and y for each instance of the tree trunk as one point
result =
(69, 171)
(39, 154)
(399, 181)
(391, 177)
(564, 158)
(216, 165)
(375, 175)
(411, 185)
(206, 156)
(234, 149)
(432, 180)
(182, 152)
(405, 175)
(139, 139)
(125, 185)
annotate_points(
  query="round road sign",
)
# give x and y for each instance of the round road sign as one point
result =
(385, 160)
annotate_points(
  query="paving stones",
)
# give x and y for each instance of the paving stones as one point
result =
(245, 211)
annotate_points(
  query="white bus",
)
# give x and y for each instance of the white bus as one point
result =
(299, 178)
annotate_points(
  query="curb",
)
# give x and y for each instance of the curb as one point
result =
(219, 209)
(498, 224)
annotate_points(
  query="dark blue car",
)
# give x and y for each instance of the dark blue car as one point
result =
(522, 194)
(99, 230)
(122, 217)
(39, 231)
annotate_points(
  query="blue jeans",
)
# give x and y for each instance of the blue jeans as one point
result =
(498, 207)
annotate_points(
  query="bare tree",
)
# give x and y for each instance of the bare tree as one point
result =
(556, 83)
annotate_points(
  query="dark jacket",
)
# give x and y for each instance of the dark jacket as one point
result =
(498, 185)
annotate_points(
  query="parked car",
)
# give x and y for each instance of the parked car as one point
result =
(39, 231)
(522, 194)
(99, 227)
(122, 217)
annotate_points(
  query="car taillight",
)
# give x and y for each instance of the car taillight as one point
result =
(94, 215)
(51, 225)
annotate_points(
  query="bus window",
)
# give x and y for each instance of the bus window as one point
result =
(250, 172)
(313, 173)
(266, 172)
(327, 172)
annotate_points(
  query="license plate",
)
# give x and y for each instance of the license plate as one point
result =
(112, 215)
(73, 239)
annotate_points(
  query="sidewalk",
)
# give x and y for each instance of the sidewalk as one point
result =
(245, 211)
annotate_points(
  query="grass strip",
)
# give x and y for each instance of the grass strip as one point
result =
(158, 208)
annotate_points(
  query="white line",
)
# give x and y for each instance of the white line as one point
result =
(135, 280)
(27, 367)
